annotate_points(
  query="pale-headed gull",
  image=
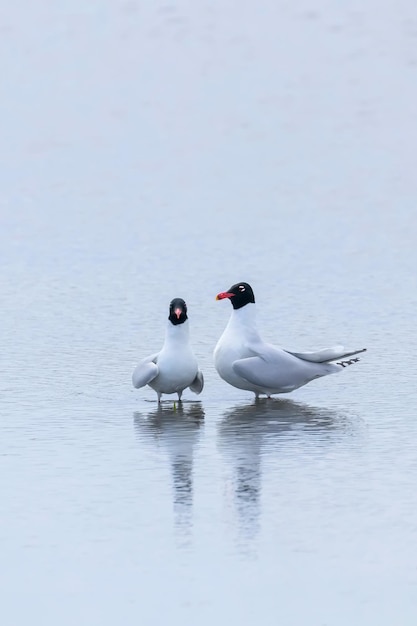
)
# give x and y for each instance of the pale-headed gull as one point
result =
(245, 361)
(175, 367)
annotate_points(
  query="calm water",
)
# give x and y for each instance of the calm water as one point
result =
(153, 150)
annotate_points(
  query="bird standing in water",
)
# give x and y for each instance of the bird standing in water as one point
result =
(175, 367)
(245, 361)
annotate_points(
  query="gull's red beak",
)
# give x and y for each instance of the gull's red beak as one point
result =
(178, 313)
(224, 294)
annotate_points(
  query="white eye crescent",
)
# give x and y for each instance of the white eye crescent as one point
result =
(241, 288)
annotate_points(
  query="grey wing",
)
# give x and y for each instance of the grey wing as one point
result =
(275, 369)
(326, 355)
(256, 371)
(198, 383)
(145, 371)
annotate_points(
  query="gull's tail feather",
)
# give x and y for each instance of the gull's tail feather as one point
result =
(347, 354)
(328, 355)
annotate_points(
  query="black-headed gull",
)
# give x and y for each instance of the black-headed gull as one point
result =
(245, 361)
(175, 367)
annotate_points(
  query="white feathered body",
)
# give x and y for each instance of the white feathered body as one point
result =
(172, 369)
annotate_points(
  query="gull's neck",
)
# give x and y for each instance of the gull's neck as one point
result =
(244, 319)
(179, 333)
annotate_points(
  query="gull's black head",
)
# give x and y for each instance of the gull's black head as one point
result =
(239, 295)
(177, 311)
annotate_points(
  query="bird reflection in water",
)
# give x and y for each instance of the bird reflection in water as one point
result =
(247, 432)
(176, 429)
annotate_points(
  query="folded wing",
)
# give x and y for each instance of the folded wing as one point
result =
(198, 383)
(256, 371)
(145, 371)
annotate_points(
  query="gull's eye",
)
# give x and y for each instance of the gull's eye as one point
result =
(241, 288)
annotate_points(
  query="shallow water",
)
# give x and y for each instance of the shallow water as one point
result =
(171, 150)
